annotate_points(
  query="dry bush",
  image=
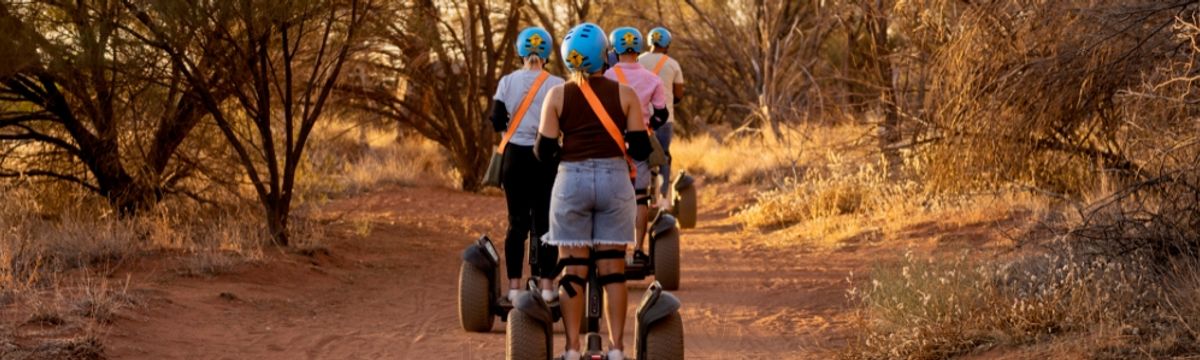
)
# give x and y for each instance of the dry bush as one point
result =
(58, 252)
(1025, 92)
(96, 299)
(1157, 212)
(818, 171)
(350, 159)
(741, 158)
(43, 241)
(935, 309)
(838, 189)
(85, 347)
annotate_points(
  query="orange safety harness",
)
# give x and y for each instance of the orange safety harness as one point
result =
(609, 126)
(520, 114)
(621, 78)
(658, 67)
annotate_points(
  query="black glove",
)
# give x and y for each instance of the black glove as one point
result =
(499, 116)
(659, 118)
(546, 149)
(639, 145)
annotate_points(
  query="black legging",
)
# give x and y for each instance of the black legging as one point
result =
(527, 185)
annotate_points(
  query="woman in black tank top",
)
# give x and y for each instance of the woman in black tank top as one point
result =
(592, 205)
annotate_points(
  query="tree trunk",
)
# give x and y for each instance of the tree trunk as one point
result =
(277, 212)
(470, 169)
(124, 193)
(889, 128)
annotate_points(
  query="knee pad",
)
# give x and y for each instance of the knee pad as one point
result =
(568, 281)
(610, 278)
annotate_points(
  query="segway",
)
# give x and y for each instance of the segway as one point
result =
(663, 259)
(479, 286)
(658, 326)
(683, 200)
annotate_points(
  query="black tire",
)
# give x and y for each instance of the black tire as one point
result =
(666, 260)
(474, 299)
(685, 208)
(664, 340)
(525, 338)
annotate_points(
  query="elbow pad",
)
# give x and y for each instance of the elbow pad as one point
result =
(659, 118)
(499, 116)
(546, 149)
(677, 100)
(639, 145)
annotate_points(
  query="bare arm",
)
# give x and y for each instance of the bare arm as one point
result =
(546, 149)
(633, 109)
(551, 109)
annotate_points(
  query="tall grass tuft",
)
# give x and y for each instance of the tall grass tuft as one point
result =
(350, 159)
(935, 309)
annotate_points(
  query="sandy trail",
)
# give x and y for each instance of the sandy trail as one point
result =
(391, 294)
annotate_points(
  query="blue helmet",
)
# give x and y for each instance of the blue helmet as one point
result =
(583, 48)
(534, 41)
(626, 39)
(660, 37)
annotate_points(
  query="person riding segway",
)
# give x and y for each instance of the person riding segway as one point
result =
(627, 43)
(526, 180)
(526, 183)
(679, 192)
(592, 215)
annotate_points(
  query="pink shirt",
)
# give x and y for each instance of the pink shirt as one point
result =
(649, 87)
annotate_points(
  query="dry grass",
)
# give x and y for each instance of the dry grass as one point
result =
(934, 309)
(824, 187)
(57, 254)
(84, 347)
(930, 306)
(747, 159)
(61, 245)
(839, 190)
(349, 159)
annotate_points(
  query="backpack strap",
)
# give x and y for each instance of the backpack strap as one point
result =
(520, 114)
(661, 61)
(607, 121)
(620, 75)
(621, 79)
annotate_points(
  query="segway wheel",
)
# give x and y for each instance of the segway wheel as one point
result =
(526, 338)
(685, 208)
(474, 299)
(666, 260)
(664, 339)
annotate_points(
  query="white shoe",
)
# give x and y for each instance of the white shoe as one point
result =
(512, 296)
(572, 355)
(549, 296)
(615, 354)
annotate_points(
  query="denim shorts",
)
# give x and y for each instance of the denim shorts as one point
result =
(592, 204)
(643, 175)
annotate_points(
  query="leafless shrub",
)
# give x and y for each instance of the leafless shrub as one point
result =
(751, 63)
(85, 347)
(1158, 212)
(99, 301)
(935, 309)
(1027, 92)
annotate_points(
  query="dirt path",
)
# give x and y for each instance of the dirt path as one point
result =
(391, 294)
